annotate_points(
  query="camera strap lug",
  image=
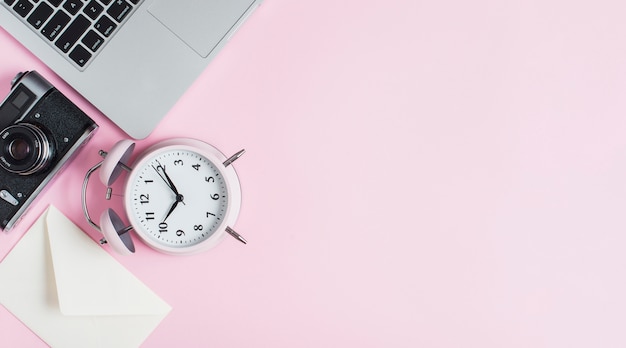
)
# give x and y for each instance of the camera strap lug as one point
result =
(8, 197)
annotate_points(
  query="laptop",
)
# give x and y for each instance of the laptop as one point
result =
(132, 59)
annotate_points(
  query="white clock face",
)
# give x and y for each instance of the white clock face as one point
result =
(176, 198)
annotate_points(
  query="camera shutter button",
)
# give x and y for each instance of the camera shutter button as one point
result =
(17, 78)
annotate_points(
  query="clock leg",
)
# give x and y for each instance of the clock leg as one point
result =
(236, 235)
(233, 158)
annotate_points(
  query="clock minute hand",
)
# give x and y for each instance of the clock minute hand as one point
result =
(165, 178)
(156, 169)
(171, 184)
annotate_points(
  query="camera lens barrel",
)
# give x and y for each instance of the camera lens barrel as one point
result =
(24, 149)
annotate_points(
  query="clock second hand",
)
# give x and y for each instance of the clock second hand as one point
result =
(156, 169)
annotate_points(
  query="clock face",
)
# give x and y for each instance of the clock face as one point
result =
(176, 198)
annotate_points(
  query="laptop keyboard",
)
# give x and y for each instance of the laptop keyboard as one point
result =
(78, 29)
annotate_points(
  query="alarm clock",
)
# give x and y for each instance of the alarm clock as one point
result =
(181, 196)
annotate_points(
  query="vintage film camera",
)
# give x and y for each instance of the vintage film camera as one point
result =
(40, 130)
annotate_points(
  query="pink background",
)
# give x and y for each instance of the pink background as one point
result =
(418, 174)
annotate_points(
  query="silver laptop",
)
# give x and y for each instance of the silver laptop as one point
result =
(132, 59)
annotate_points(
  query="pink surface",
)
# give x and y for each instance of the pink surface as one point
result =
(418, 174)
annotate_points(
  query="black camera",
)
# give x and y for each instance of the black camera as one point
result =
(40, 130)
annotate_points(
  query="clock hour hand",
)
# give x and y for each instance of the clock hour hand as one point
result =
(179, 199)
(170, 211)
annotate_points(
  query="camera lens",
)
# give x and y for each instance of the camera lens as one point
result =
(24, 149)
(19, 149)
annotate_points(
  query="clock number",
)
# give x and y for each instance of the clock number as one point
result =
(198, 228)
(143, 199)
(148, 181)
(209, 214)
(209, 179)
(149, 216)
(180, 233)
(196, 166)
(178, 162)
(215, 197)
(163, 227)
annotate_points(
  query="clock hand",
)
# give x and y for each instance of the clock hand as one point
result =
(166, 178)
(179, 199)
(156, 169)
(171, 210)
(171, 184)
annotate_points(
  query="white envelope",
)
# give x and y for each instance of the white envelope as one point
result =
(72, 293)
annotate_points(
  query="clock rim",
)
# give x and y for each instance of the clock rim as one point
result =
(231, 181)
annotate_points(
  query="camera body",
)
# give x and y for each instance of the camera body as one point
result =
(40, 130)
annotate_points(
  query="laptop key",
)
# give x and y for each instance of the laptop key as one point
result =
(9, 2)
(93, 9)
(73, 33)
(40, 15)
(55, 25)
(119, 9)
(92, 40)
(72, 6)
(23, 7)
(105, 26)
(80, 55)
(55, 3)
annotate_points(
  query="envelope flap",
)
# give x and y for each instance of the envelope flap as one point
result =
(89, 281)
